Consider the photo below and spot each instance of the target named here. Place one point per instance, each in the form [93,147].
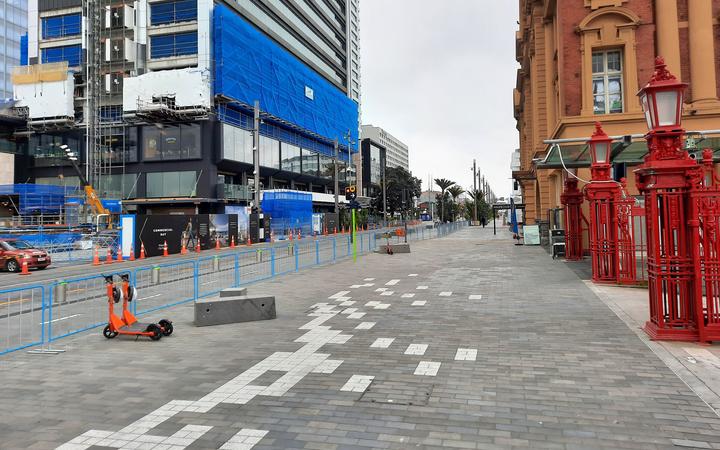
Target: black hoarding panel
[154,231]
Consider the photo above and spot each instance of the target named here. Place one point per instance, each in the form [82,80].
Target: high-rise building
[13,25]
[158,96]
[397,152]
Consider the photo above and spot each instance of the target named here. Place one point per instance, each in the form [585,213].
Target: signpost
[351,196]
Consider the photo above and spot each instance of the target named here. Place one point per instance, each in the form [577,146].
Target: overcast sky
[439,75]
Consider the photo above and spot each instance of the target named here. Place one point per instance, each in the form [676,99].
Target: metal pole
[475,215]
[337,182]
[384,186]
[256,153]
[354,236]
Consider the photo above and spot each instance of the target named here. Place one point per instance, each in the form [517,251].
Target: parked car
[13,252]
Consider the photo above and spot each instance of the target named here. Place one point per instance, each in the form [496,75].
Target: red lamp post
[663,180]
[572,199]
[601,193]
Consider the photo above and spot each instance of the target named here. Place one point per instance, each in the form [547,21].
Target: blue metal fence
[38,315]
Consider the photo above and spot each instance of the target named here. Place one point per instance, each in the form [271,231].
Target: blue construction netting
[38,198]
[288,210]
[24,50]
[250,66]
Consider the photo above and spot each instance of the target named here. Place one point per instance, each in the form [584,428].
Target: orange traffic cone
[108,258]
[335,230]
[249,241]
[217,243]
[183,248]
[120,254]
[324,231]
[232,241]
[165,249]
[132,253]
[24,268]
[299,235]
[142,250]
[272,236]
[197,246]
[291,236]
[96,258]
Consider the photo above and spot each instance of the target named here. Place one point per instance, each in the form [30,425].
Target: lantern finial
[661,71]
[599,132]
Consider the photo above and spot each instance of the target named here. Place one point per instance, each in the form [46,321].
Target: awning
[578,155]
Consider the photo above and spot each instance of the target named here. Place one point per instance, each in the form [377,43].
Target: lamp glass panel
[601,150]
[667,108]
[646,110]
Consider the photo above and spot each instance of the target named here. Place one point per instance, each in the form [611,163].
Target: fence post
[237,270]
[272,262]
[135,283]
[334,241]
[317,253]
[50,312]
[42,317]
[196,285]
[297,257]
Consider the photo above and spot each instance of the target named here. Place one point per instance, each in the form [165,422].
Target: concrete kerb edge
[695,384]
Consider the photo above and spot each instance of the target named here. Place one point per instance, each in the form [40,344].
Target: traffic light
[350,193]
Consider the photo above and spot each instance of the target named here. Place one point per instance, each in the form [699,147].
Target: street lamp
[600,151]
[662,100]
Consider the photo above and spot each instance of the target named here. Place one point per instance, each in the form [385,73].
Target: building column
[667,34]
[702,52]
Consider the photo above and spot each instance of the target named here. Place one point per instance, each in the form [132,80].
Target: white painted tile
[328,366]
[419,303]
[357,383]
[416,349]
[475,297]
[422,288]
[369,279]
[382,306]
[348,310]
[408,295]
[386,293]
[357,286]
[365,325]
[347,303]
[356,315]
[466,354]
[412,275]
[244,439]
[392,282]
[372,303]
[427,368]
[445,294]
[382,342]
[339,294]
[381,289]
[342,299]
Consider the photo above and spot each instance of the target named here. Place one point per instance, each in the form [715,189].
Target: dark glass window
[169,45]
[327,167]
[310,163]
[69,53]
[237,144]
[269,152]
[171,142]
[171,184]
[173,12]
[61,26]
[290,158]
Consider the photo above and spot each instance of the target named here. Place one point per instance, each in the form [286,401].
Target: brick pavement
[508,350]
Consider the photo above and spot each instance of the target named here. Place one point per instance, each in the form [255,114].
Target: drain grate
[397,393]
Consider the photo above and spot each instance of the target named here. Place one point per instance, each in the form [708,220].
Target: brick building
[584,61]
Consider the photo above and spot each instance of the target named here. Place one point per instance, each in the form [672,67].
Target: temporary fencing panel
[165,285]
[23,313]
[217,273]
[76,305]
[255,265]
[284,258]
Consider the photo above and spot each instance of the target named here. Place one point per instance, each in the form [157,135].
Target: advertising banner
[154,230]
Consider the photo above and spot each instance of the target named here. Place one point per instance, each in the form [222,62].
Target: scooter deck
[136,327]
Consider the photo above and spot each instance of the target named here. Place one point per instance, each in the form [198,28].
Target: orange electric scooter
[116,325]
[129,294]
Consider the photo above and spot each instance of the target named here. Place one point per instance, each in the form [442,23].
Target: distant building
[397,152]
[13,25]
[372,168]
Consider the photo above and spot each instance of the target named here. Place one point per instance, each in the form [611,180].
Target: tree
[443,184]
[401,188]
[455,191]
[484,209]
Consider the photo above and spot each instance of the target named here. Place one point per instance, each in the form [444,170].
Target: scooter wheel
[156,332]
[167,327]
[108,333]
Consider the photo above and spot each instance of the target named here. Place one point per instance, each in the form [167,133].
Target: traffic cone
[335,230]
[96,258]
[183,248]
[249,241]
[291,236]
[232,241]
[324,231]
[217,243]
[142,250]
[299,235]
[165,249]
[108,258]
[24,268]
[132,253]
[119,254]
[197,246]
[272,236]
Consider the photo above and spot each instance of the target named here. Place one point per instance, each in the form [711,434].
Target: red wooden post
[572,199]
[662,178]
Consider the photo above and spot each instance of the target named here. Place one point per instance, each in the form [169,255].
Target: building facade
[584,61]
[373,157]
[158,96]
[13,25]
[397,152]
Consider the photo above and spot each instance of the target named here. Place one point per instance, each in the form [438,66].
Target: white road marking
[427,368]
[416,349]
[419,303]
[445,294]
[60,319]
[369,279]
[408,295]
[365,325]
[392,282]
[244,439]
[466,354]
[422,288]
[151,296]
[475,297]
[413,275]
[382,343]
[358,383]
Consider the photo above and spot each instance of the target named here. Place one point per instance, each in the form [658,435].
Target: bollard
[216,264]
[155,277]
[60,294]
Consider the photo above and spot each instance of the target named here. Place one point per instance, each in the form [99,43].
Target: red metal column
[572,199]
[626,261]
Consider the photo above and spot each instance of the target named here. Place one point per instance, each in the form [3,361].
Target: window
[172,142]
[237,144]
[290,158]
[607,82]
[171,184]
[375,165]
[327,167]
[61,26]
[173,12]
[269,152]
[119,185]
[69,53]
[309,163]
[170,45]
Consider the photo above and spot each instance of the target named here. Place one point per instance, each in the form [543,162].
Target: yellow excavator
[90,195]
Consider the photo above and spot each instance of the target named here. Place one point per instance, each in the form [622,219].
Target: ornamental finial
[599,132]
[661,71]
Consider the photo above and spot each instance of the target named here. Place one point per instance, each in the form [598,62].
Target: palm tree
[455,191]
[443,184]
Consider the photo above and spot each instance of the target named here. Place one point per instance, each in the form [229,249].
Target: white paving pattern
[427,368]
[419,303]
[244,439]
[357,383]
[382,342]
[466,354]
[416,349]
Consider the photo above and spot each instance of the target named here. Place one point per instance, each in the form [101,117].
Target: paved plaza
[468,342]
